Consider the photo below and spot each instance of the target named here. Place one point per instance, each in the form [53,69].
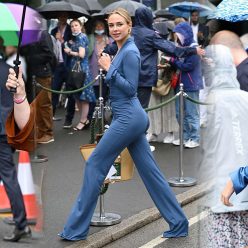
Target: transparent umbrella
[128,5]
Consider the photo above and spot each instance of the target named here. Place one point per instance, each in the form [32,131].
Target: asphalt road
[60,180]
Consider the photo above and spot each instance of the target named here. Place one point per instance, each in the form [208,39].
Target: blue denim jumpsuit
[127,129]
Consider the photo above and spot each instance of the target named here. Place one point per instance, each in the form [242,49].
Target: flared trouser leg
[158,188]
[96,170]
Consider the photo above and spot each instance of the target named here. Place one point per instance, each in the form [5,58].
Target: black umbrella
[92,6]
[128,5]
[53,9]
[163,13]
[17,61]
[161,28]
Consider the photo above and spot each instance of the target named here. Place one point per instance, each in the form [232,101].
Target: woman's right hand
[104,61]
[18,83]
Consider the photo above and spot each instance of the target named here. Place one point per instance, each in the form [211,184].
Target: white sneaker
[168,138]
[151,137]
[177,142]
[152,148]
[203,124]
[191,144]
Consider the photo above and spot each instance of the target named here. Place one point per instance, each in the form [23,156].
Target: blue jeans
[60,76]
[191,121]
[144,95]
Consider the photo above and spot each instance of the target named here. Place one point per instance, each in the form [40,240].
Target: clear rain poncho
[225,140]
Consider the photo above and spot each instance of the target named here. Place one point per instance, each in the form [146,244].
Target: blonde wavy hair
[122,12]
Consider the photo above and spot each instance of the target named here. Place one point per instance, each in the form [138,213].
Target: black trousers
[59,77]
[144,95]
[9,177]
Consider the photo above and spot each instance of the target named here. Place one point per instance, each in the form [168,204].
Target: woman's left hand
[105,61]
[67,50]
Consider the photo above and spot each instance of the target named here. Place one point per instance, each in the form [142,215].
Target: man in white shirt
[200,31]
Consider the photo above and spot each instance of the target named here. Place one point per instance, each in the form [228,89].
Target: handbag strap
[77,67]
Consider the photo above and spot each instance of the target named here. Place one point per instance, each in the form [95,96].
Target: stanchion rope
[195,101]
[163,103]
[147,109]
[69,91]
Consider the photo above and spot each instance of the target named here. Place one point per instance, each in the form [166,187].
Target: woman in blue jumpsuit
[127,129]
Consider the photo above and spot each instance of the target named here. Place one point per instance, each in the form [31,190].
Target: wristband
[19,100]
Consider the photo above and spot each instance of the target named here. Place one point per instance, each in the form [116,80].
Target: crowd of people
[133,69]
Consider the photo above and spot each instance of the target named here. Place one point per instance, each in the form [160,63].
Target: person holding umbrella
[8,172]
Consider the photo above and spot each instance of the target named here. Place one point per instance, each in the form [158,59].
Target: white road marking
[160,239]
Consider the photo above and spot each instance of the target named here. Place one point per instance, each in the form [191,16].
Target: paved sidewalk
[110,234]
[61,179]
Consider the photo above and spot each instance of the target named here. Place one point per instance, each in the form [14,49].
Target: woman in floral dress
[78,50]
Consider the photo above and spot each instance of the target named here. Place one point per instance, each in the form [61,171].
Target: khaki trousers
[44,111]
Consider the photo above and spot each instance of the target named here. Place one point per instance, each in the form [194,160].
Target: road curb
[110,234]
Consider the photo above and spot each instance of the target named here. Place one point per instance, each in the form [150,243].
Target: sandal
[85,124]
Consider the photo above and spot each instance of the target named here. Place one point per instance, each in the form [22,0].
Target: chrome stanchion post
[102,218]
[36,158]
[101,100]
[181,181]
[102,211]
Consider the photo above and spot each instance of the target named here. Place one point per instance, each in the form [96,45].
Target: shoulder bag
[76,77]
